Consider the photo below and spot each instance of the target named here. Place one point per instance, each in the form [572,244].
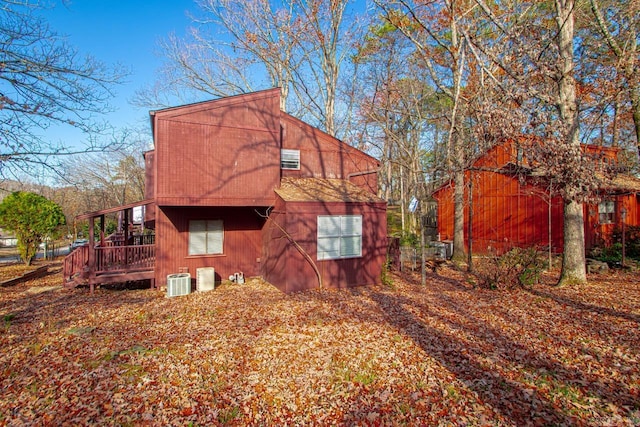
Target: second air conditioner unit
[205,279]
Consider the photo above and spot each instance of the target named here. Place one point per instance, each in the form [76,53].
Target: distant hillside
[8,186]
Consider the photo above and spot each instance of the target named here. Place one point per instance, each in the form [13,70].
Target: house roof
[324,190]
[210,104]
[225,100]
[621,182]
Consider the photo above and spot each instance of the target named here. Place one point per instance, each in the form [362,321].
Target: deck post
[102,228]
[91,262]
[92,253]
[126,227]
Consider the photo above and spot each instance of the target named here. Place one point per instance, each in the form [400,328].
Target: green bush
[631,239]
[609,254]
[33,219]
[517,267]
[409,239]
[612,254]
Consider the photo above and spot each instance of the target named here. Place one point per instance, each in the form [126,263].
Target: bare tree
[399,116]
[435,30]
[617,29]
[574,260]
[534,53]
[240,46]
[325,44]
[233,41]
[45,83]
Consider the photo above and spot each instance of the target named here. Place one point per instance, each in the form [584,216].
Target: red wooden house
[511,209]
[241,186]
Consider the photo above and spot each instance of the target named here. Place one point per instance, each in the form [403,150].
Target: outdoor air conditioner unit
[205,279]
[178,284]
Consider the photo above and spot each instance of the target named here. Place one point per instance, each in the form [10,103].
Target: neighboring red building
[219,195]
[511,209]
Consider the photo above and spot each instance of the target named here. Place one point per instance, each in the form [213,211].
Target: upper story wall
[323,156]
[218,153]
[226,152]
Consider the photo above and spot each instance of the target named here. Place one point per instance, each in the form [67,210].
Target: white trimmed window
[339,236]
[606,211]
[290,159]
[206,237]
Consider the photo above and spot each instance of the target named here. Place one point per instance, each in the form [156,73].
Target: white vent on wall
[290,159]
[205,279]
[178,284]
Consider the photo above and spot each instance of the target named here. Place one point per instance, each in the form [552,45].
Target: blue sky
[125,32]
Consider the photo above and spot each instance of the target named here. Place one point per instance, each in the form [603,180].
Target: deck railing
[142,239]
[124,258]
[75,262]
[117,239]
[109,259]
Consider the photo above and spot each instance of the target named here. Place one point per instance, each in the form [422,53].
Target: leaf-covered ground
[444,354]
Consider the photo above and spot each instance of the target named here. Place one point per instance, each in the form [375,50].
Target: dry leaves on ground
[443,354]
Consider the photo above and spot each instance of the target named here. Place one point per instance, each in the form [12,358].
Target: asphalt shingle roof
[324,190]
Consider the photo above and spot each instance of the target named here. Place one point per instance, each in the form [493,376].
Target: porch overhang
[96,214]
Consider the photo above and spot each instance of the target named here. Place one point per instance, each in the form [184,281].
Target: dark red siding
[242,241]
[508,212]
[222,153]
[276,246]
[286,267]
[221,160]
[322,156]
[597,234]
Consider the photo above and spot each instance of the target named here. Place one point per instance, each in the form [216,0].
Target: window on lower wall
[339,236]
[606,210]
[206,237]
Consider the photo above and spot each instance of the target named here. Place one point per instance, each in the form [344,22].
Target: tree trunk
[635,106]
[456,132]
[458,216]
[573,261]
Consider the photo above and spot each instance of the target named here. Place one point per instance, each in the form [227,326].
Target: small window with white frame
[290,159]
[206,237]
[339,236]
[606,211]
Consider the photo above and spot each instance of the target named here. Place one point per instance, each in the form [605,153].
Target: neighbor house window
[606,210]
[339,236]
[205,237]
[290,159]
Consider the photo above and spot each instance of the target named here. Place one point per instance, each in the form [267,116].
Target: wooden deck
[109,264]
